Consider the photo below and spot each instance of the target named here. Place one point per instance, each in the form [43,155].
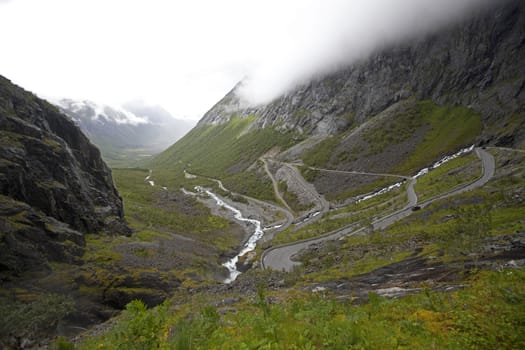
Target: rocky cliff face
[478,64]
[54,186]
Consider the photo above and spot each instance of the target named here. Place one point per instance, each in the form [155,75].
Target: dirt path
[279,258]
[359,173]
[508,149]
[276,186]
[289,217]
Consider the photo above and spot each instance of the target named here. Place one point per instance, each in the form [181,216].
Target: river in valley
[249,246]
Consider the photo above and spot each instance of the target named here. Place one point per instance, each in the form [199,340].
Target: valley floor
[409,266]
[462,246]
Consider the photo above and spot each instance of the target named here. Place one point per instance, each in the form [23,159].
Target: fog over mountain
[187,55]
[325,38]
[126,134]
[358,159]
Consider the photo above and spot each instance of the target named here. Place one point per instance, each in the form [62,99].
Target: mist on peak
[95,111]
[324,37]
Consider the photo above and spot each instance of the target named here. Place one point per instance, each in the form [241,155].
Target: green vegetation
[468,232]
[379,183]
[308,173]
[488,314]
[118,157]
[453,232]
[449,128]
[224,151]
[251,184]
[320,155]
[150,235]
[57,147]
[396,198]
[146,210]
[456,172]
[160,219]
[358,214]
[139,328]
[11,139]
[393,131]
[445,129]
[36,317]
[420,319]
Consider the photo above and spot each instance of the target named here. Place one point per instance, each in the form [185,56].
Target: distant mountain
[127,134]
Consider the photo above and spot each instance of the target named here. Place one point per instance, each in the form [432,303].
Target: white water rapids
[419,173]
[250,245]
[147,179]
[444,160]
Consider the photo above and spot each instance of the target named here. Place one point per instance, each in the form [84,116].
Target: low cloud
[186,55]
[319,37]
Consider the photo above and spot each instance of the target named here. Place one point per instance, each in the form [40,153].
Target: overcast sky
[186,55]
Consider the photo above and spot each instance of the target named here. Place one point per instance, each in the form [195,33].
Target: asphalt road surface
[279,258]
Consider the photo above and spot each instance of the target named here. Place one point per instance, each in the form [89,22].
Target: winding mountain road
[411,193]
[276,186]
[279,258]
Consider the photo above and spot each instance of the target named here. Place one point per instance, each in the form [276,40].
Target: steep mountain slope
[397,111]
[478,64]
[442,248]
[51,166]
[126,134]
[54,189]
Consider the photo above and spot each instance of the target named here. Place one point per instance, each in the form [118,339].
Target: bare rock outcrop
[54,186]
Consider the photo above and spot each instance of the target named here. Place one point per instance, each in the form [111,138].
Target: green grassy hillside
[485,315]
[406,138]
[226,152]
[445,260]
[422,130]
[452,263]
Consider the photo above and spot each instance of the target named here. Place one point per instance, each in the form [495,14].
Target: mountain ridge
[302,167]
[466,64]
[125,134]
[398,111]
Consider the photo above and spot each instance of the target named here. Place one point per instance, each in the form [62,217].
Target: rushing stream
[444,160]
[419,173]
[250,245]
[231,264]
